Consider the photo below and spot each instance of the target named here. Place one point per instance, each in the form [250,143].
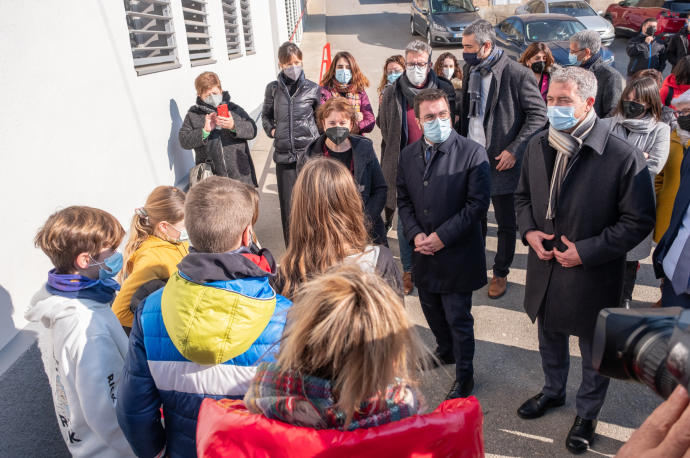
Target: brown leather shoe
[497,287]
[408,285]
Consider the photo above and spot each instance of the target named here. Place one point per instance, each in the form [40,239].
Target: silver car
[575,8]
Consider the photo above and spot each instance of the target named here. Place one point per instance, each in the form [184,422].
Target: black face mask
[633,109]
[538,67]
[337,134]
[650,31]
[684,122]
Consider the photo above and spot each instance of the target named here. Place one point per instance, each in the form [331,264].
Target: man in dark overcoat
[584,200]
[443,191]
[502,109]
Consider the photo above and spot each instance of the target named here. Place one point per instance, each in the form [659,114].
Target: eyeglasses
[419,65]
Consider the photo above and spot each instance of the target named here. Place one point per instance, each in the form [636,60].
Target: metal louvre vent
[247,26]
[151,35]
[293,12]
[198,37]
[232,28]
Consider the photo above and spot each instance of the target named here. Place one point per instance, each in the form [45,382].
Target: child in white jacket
[82,343]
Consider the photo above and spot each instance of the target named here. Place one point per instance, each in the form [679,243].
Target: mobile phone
[223,110]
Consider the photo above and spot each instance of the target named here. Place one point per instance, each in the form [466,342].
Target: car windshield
[576,9]
[451,6]
[552,30]
[678,7]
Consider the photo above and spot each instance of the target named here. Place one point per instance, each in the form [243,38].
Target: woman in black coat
[288,117]
[337,119]
[216,139]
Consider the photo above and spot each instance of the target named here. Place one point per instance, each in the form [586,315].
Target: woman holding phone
[217,130]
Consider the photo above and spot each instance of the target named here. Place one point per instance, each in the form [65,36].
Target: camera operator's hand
[665,433]
[536,241]
[569,257]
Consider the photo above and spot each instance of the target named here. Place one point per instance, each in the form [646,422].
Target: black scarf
[208,109]
[474,88]
[592,60]
[410,91]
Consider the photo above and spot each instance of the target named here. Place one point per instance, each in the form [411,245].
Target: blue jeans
[405,248]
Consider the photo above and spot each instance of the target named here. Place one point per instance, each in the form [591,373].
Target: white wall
[79,127]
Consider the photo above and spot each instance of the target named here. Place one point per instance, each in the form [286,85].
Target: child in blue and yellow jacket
[204,333]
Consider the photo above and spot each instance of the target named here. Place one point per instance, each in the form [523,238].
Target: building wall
[79,127]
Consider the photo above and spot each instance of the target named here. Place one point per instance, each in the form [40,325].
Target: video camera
[650,345]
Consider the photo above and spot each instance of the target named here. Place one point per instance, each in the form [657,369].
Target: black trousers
[450,319]
[555,361]
[504,211]
[286,175]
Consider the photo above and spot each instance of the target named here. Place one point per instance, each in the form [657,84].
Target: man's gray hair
[418,46]
[585,80]
[482,30]
[587,39]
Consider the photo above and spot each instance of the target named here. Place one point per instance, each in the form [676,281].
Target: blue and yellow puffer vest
[202,335]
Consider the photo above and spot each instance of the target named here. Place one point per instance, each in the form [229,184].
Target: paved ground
[507,362]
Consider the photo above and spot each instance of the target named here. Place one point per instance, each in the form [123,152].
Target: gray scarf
[639,130]
[474,87]
[566,145]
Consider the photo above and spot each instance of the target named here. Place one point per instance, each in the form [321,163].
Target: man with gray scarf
[502,110]
[585,198]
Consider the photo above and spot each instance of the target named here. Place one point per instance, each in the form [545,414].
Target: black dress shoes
[461,389]
[537,406]
[581,435]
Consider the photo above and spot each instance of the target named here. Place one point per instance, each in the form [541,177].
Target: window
[553,30]
[537,7]
[247,27]
[293,12]
[151,35]
[232,29]
[198,38]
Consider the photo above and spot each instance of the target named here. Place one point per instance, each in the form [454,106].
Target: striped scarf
[566,145]
[344,90]
[305,400]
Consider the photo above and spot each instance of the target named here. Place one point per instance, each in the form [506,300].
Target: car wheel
[428,37]
[412,32]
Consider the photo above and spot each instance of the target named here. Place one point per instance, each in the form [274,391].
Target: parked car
[627,16]
[576,8]
[516,33]
[441,21]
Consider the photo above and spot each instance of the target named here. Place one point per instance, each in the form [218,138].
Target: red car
[627,16]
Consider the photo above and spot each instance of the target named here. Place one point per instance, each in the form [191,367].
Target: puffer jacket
[678,46]
[292,116]
[645,55]
[227,150]
[200,336]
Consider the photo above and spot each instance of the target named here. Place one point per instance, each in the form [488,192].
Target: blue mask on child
[438,130]
[343,75]
[572,59]
[393,77]
[110,267]
[561,117]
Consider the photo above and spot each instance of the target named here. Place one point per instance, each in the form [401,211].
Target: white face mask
[293,72]
[416,75]
[448,72]
[214,99]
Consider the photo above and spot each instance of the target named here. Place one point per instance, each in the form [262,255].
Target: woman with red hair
[538,58]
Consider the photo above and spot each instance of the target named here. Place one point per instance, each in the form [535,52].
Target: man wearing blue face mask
[584,200]
[502,110]
[443,192]
[585,51]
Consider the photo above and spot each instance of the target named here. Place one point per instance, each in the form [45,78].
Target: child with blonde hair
[157,243]
[348,356]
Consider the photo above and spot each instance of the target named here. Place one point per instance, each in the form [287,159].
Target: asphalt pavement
[507,362]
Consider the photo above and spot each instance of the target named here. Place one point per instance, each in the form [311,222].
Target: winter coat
[227,150]
[292,116]
[514,112]
[678,46]
[449,195]
[368,177]
[670,89]
[366,125]
[645,55]
[610,84]
[83,348]
[666,185]
[202,335]
[155,259]
[606,207]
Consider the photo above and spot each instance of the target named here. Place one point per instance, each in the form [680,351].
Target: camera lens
[650,361]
